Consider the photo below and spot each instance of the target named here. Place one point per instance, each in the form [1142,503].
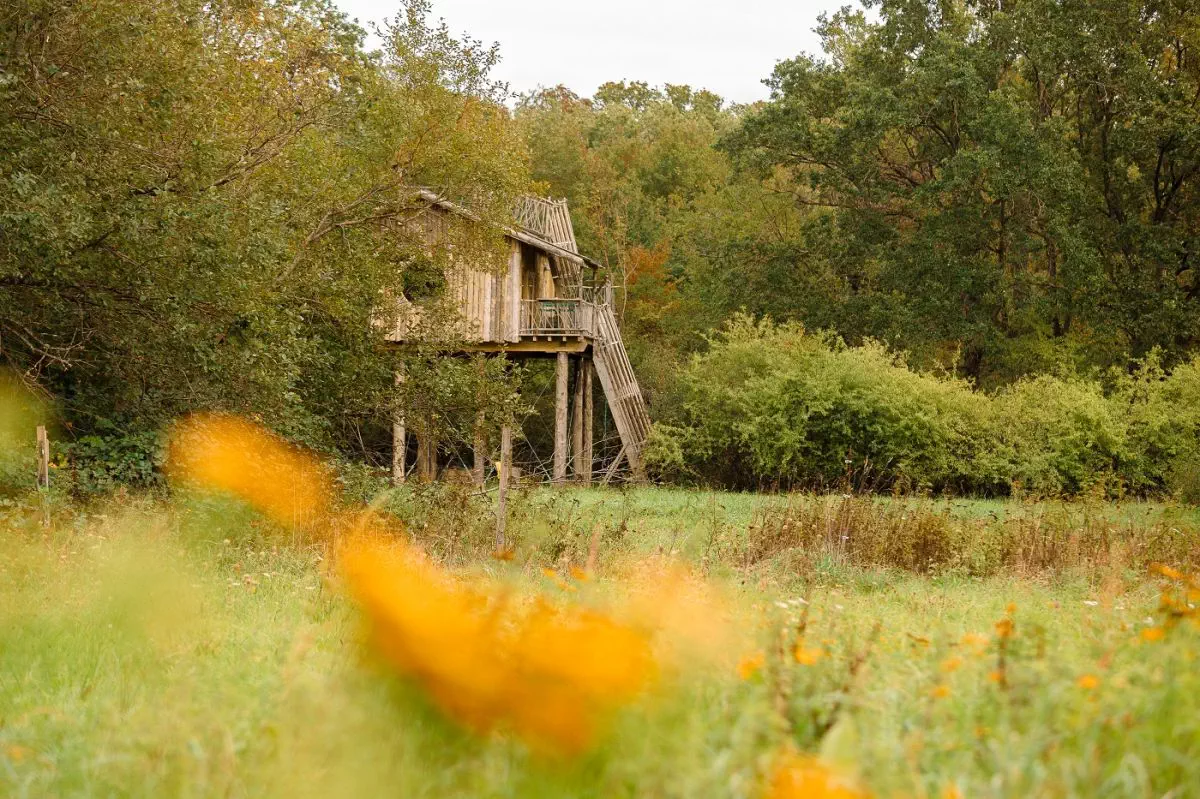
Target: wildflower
[229,454]
[1010,608]
[977,641]
[807,655]
[1088,682]
[1168,572]
[952,664]
[951,791]
[579,574]
[1152,634]
[549,674]
[940,691]
[805,777]
[996,676]
[1004,628]
[17,753]
[750,665]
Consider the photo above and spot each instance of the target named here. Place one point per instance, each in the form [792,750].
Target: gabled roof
[522,234]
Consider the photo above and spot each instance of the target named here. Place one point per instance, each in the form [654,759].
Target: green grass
[151,651]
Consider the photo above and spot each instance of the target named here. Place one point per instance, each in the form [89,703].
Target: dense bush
[775,405]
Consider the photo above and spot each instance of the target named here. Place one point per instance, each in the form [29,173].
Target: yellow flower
[1010,608]
[804,777]
[1152,634]
[807,655]
[1168,572]
[952,664]
[232,455]
[977,641]
[1088,682]
[750,665]
[1004,628]
[940,691]
[951,791]
[549,674]
[579,574]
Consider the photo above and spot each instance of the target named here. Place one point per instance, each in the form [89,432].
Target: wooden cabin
[540,299]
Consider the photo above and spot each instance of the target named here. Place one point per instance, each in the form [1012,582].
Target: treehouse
[537,298]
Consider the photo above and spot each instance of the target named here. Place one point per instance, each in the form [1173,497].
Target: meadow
[195,648]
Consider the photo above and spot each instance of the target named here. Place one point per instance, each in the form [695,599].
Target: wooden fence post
[43,458]
[43,472]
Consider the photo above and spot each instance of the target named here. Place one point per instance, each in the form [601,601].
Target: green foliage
[774,405]
[1004,181]
[206,206]
[102,463]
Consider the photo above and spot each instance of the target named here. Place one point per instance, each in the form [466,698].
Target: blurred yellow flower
[940,691]
[1153,634]
[807,655]
[1004,628]
[549,674]
[750,665]
[805,777]
[230,454]
[1168,572]
[952,664]
[1088,682]
[951,791]
[976,641]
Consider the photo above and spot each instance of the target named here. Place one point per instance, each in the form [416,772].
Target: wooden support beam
[502,493]
[399,440]
[589,422]
[426,458]
[479,468]
[577,420]
[560,420]
[612,467]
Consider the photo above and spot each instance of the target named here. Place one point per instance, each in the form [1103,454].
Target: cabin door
[529,273]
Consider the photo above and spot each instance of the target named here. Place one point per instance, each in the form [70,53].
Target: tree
[1011,182]
[206,204]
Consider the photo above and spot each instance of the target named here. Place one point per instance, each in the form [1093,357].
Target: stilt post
[560,421]
[577,421]
[399,439]
[502,492]
[479,467]
[587,457]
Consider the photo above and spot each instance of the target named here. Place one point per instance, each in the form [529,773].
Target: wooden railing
[565,317]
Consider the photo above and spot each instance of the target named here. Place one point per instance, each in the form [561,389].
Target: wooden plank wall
[488,299]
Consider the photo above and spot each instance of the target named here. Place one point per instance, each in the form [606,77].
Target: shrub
[777,404]
[1058,435]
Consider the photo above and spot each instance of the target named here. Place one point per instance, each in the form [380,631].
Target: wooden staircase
[625,400]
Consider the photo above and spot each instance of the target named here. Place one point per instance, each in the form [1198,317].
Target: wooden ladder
[625,400]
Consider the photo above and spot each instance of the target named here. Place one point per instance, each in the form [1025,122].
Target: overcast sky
[728,46]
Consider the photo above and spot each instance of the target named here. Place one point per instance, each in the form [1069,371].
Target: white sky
[727,47]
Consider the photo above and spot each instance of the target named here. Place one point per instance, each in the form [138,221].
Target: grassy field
[151,650]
